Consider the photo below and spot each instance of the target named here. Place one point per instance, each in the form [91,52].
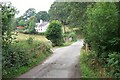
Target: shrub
[54,33]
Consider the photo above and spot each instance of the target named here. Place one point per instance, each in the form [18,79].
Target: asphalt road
[64,63]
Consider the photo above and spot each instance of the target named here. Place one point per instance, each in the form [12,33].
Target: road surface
[62,64]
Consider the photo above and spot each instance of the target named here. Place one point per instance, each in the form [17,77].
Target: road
[62,64]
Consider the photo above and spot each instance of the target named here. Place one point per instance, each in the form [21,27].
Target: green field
[21,36]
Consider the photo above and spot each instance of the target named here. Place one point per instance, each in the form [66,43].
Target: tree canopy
[71,14]
[42,15]
[29,13]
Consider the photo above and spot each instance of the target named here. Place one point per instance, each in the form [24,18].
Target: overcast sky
[23,5]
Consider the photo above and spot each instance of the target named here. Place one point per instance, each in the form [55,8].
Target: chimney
[41,21]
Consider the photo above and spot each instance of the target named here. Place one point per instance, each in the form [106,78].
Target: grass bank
[21,36]
[86,71]
[89,66]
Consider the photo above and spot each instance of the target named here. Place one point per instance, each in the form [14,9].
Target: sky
[23,5]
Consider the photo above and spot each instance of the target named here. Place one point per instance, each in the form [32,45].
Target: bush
[54,33]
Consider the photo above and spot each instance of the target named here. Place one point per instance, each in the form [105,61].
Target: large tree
[68,13]
[29,13]
[42,15]
[58,11]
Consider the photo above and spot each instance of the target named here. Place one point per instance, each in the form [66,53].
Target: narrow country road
[62,64]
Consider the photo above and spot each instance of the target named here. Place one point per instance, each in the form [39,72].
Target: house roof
[20,27]
[43,23]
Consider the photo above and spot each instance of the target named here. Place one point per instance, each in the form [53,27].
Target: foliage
[21,23]
[101,32]
[58,12]
[18,55]
[42,15]
[54,33]
[30,40]
[98,31]
[30,18]
[31,25]
[113,64]
[71,14]
[8,13]
[22,54]
[70,35]
[90,67]
[29,13]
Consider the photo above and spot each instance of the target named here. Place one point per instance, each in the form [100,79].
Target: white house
[42,26]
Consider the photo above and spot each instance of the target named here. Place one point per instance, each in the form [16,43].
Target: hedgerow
[21,54]
[101,33]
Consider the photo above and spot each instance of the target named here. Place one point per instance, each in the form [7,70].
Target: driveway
[64,63]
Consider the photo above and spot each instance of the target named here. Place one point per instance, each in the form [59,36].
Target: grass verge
[86,71]
[90,67]
[65,44]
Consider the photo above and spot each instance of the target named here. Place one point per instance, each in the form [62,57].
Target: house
[42,26]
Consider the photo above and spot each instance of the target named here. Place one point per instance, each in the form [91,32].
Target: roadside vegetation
[103,38]
[22,56]
[85,68]
[89,67]
[19,56]
[99,25]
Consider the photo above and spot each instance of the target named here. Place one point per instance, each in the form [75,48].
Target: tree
[58,11]
[21,23]
[29,13]
[54,33]
[8,13]
[42,15]
[77,16]
[18,23]
[71,14]
[31,24]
